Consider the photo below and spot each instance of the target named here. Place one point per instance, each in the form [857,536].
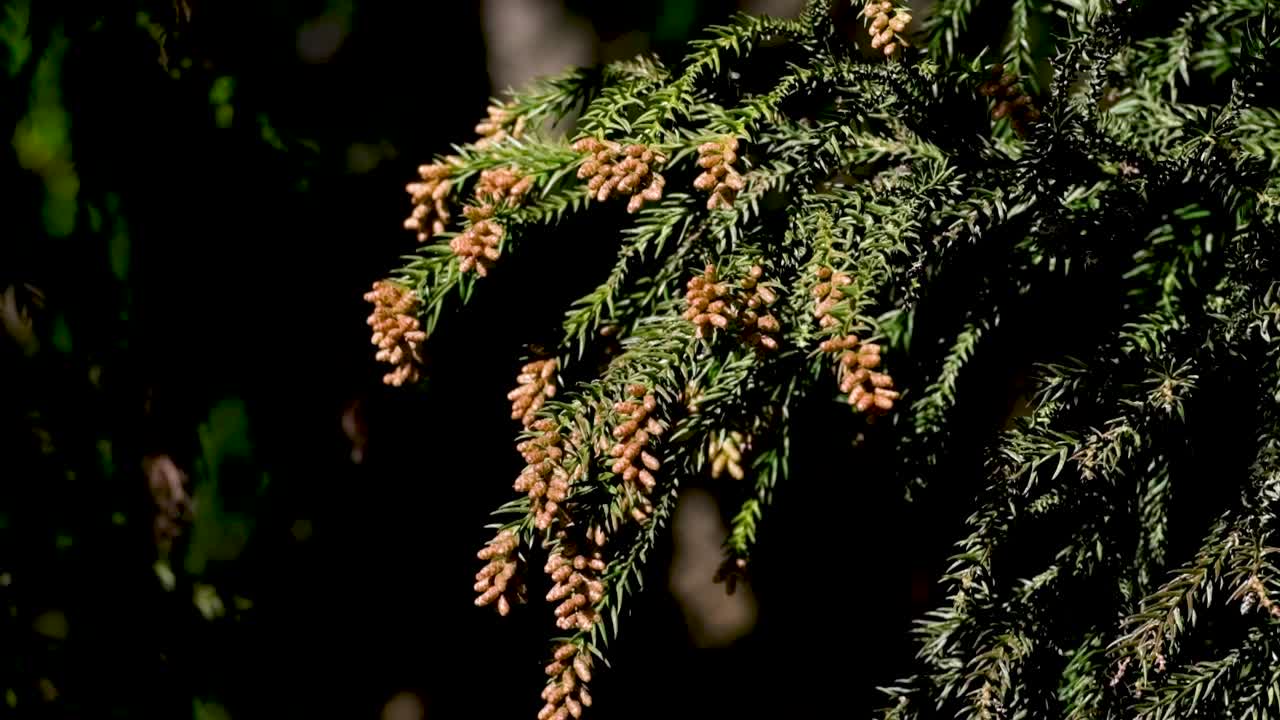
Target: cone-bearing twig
[886,25]
[536,384]
[430,201]
[1011,101]
[499,582]
[396,331]
[544,478]
[478,248]
[498,126]
[719,176]
[566,694]
[575,568]
[634,435]
[611,169]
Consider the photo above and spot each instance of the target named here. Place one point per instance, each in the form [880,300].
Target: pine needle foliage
[888,194]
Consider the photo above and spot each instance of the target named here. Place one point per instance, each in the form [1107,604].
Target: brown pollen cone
[1011,102]
[708,305]
[611,169]
[478,247]
[575,568]
[566,693]
[828,294]
[886,26]
[760,327]
[726,454]
[430,195]
[711,305]
[718,176]
[544,478]
[500,124]
[868,390]
[536,383]
[499,582]
[396,331]
[634,436]
[502,185]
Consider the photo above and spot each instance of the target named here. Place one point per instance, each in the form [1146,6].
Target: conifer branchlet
[611,170]
[396,331]
[430,201]
[719,177]
[499,582]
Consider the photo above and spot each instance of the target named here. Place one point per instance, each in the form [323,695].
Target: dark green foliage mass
[1075,197]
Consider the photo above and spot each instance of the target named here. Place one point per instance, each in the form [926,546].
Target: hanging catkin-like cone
[566,693]
[544,478]
[396,331]
[479,246]
[719,178]
[536,384]
[430,201]
[499,582]
[576,568]
[633,452]
[500,124]
[886,25]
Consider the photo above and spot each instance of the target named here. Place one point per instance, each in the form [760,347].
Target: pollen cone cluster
[827,294]
[430,195]
[611,169]
[499,581]
[396,331]
[500,124]
[633,438]
[718,174]
[1011,102]
[544,478]
[887,26]
[726,454]
[576,569]
[502,185]
[536,383]
[710,304]
[478,247]
[760,327]
[868,390]
[566,694]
